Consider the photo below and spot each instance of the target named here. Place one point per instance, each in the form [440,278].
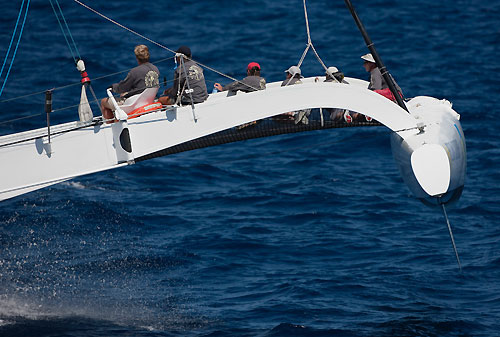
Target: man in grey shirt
[192,90]
[252,82]
[145,75]
[377,81]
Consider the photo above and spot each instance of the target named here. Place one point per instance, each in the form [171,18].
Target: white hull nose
[432,162]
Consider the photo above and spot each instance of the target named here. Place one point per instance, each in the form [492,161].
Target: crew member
[192,90]
[145,75]
[252,82]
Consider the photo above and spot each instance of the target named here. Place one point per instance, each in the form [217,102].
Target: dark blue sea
[307,234]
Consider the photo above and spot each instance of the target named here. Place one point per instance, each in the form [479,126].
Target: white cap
[332,70]
[294,70]
[368,57]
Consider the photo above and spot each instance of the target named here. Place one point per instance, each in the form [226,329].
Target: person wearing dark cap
[145,75]
[252,82]
[192,90]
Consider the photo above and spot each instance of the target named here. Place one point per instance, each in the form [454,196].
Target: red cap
[253,64]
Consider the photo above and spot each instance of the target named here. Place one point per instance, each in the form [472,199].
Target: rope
[96,100]
[12,38]
[307,25]
[310,44]
[78,83]
[17,45]
[189,88]
[67,27]
[122,26]
[62,30]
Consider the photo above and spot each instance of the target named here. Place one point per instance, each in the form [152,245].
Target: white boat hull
[30,163]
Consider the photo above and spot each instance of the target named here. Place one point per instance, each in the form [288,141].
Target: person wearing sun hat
[377,81]
[252,82]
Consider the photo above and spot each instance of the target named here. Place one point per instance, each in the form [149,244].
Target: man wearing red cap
[252,82]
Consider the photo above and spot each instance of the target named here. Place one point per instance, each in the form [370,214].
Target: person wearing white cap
[293,76]
[333,73]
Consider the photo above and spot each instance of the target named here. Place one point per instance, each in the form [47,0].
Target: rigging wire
[17,44]
[12,38]
[64,32]
[158,44]
[451,235]
[67,27]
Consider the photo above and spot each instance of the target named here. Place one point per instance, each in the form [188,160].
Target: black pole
[48,109]
[378,60]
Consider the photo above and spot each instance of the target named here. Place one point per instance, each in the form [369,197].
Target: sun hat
[368,57]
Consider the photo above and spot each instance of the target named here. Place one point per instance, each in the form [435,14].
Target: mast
[373,51]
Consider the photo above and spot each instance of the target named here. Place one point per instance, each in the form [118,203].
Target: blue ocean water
[311,234]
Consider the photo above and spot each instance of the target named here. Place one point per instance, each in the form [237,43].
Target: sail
[84,110]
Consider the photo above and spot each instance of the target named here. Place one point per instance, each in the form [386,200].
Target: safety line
[79,83]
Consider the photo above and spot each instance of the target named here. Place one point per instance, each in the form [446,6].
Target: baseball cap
[184,50]
[332,70]
[293,70]
[253,64]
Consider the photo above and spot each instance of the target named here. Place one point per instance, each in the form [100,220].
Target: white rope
[310,44]
[307,25]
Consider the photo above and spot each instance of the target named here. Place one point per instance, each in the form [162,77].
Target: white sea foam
[74,184]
